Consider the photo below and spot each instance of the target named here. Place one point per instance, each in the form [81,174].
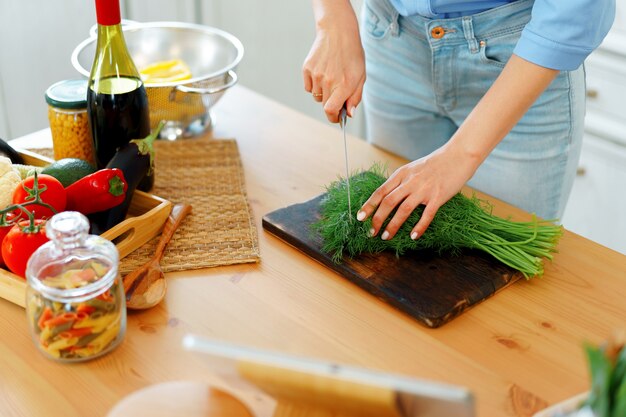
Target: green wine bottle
[117,103]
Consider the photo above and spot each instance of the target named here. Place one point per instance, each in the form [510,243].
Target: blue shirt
[560,34]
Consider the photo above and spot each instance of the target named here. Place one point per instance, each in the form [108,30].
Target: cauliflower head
[9,179]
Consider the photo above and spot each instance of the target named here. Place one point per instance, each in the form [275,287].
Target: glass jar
[75,300]
[69,124]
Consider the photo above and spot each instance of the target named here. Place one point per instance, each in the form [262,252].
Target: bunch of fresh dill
[462,222]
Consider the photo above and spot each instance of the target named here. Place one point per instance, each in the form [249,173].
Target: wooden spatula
[145,287]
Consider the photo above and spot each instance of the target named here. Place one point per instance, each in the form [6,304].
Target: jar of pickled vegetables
[75,301]
[69,125]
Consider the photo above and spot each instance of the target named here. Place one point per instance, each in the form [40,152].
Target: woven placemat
[208,175]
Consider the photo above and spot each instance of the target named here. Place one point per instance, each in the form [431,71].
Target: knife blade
[343,117]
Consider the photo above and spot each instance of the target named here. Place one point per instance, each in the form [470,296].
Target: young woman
[485,92]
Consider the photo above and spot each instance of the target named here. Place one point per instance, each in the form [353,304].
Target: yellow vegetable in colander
[165,72]
[164,103]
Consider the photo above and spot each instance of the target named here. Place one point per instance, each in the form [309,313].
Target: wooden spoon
[145,286]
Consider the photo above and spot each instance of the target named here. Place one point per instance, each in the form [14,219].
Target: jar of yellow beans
[69,125]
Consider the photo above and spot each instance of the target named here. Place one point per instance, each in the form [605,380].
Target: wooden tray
[146,216]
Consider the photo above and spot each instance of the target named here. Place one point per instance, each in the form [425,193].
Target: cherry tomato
[20,243]
[51,192]
[9,222]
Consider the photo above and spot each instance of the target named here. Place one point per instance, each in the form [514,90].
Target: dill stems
[462,222]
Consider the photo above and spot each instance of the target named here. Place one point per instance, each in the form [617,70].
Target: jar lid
[68,94]
[73,266]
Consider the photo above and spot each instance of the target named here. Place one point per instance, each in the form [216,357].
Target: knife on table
[343,117]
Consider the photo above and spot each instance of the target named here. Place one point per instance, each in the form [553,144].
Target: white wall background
[37,38]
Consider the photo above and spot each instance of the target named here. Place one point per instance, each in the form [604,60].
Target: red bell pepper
[99,191]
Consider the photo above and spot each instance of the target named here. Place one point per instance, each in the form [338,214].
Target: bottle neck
[108,35]
[108,12]
[109,25]
[112,58]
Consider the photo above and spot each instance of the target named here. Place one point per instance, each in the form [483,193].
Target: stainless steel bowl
[211,54]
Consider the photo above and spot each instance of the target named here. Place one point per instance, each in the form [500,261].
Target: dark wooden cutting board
[429,287]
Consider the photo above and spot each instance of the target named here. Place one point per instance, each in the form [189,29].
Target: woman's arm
[335,66]
[434,179]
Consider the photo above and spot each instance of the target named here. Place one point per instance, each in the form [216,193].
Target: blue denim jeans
[424,76]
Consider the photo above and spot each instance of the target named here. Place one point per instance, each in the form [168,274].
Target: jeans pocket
[497,50]
[376,23]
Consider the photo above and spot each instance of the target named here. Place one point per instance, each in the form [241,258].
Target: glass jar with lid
[69,124]
[75,297]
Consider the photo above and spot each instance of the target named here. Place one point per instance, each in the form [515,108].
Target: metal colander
[211,54]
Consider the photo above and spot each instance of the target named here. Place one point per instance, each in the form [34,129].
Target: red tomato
[51,192]
[4,229]
[20,243]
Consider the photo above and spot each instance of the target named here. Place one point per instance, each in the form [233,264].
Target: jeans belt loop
[468,31]
[394,26]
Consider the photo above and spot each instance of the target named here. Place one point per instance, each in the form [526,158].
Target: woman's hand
[334,70]
[431,181]
[436,178]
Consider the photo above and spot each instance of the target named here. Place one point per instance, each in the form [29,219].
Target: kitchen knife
[343,117]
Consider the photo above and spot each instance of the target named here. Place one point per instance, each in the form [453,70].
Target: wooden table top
[519,351]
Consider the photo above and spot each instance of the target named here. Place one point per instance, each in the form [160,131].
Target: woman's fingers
[404,202]
[354,100]
[403,192]
[337,96]
[372,205]
[425,219]
[318,86]
[313,78]
[402,214]
[386,206]
[306,77]
[348,93]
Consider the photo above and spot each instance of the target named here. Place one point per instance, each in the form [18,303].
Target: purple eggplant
[11,153]
[136,160]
